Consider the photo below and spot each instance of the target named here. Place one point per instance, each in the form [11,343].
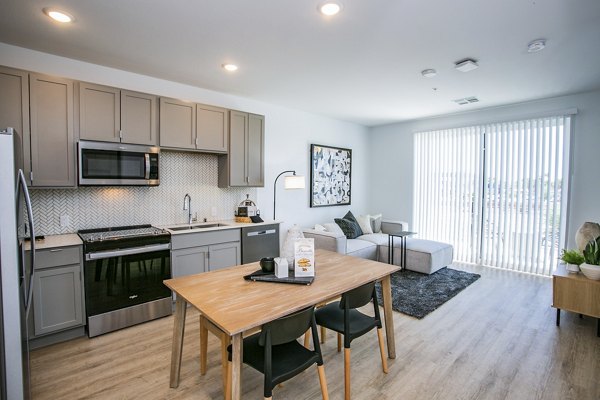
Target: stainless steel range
[123,274]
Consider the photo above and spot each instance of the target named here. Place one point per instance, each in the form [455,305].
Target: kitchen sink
[194,227]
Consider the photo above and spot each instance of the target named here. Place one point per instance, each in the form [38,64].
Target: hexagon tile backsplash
[98,207]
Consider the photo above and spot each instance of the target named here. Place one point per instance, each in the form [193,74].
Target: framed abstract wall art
[330,175]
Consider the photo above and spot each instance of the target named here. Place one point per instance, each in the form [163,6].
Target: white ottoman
[424,256]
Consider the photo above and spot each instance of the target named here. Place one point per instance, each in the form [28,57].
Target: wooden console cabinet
[575,293]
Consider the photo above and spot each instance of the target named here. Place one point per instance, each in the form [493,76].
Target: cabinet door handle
[55,250]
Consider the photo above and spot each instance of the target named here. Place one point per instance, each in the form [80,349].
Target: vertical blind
[496,192]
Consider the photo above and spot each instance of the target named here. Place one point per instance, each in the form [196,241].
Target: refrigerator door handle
[22,185]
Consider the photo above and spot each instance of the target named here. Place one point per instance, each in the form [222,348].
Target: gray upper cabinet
[177,124]
[113,115]
[14,109]
[139,118]
[52,139]
[191,126]
[244,165]
[99,112]
[211,128]
[57,290]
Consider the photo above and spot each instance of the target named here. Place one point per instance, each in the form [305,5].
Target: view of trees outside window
[495,192]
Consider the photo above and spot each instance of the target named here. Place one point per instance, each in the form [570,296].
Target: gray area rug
[418,294]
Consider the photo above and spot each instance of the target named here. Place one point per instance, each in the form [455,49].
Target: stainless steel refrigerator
[16,275]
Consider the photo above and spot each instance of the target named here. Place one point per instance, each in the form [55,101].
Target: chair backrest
[288,328]
[358,297]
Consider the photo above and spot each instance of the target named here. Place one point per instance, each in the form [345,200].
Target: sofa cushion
[350,216]
[350,228]
[361,248]
[424,256]
[376,238]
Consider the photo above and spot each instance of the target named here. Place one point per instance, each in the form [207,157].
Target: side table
[402,235]
[575,293]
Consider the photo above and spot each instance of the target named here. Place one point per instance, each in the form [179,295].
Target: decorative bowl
[591,271]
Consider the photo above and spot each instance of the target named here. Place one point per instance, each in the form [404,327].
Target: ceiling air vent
[466,100]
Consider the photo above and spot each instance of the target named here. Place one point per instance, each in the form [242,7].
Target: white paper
[304,257]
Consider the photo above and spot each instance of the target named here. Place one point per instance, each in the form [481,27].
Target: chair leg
[307,338]
[339,335]
[382,351]
[323,382]
[224,361]
[323,334]
[346,374]
[203,345]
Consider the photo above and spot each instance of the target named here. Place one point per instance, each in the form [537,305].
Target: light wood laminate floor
[495,340]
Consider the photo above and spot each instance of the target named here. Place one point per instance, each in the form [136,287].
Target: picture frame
[330,176]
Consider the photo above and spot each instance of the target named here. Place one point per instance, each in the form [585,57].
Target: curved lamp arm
[275,189]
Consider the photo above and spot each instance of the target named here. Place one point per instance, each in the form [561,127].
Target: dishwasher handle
[260,233]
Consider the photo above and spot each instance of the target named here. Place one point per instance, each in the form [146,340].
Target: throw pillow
[364,221]
[376,223]
[334,228]
[350,216]
[320,228]
[350,228]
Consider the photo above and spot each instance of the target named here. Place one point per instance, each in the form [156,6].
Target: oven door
[117,164]
[123,278]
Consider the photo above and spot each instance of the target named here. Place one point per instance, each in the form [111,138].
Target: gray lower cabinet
[193,260]
[58,301]
[196,252]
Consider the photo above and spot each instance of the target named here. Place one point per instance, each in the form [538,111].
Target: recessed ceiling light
[466,65]
[536,45]
[330,8]
[57,15]
[429,73]
[230,67]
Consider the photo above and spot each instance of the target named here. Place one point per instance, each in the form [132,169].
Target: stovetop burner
[95,235]
[122,237]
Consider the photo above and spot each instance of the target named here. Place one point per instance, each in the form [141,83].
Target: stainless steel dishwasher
[260,241]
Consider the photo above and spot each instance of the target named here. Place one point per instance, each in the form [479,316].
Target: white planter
[591,271]
[572,268]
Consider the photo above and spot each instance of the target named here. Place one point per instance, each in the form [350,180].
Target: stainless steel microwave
[117,164]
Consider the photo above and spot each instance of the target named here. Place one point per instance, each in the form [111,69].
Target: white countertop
[223,225]
[52,241]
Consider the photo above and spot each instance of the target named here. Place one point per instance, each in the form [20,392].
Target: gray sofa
[424,256]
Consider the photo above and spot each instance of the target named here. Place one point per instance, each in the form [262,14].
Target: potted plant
[573,259]
[591,254]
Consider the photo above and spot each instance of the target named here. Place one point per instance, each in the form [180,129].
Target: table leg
[177,347]
[386,288]
[237,351]
[598,328]
[558,317]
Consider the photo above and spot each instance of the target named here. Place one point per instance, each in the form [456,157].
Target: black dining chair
[343,318]
[276,352]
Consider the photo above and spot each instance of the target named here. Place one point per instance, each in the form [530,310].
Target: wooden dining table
[235,305]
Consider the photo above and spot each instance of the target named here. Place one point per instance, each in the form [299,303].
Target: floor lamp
[290,182]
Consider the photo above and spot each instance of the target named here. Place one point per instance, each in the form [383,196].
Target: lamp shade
[294,182]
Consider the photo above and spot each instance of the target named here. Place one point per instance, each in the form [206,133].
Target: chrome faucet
[187,205]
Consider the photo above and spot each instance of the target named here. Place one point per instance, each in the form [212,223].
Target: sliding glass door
[497,192]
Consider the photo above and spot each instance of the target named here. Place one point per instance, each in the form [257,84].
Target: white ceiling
[362,66]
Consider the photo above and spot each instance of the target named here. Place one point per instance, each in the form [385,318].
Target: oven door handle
[99,255]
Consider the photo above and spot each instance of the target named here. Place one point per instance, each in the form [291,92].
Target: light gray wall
[392,160]
[288,133]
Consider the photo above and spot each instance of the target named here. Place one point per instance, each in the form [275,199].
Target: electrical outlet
[65,221]
[213,211]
